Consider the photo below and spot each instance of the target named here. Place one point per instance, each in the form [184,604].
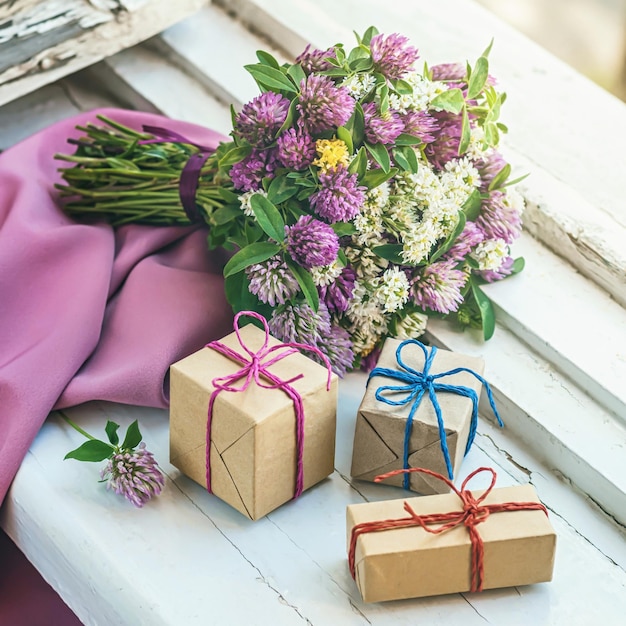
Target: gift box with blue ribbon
[420,409]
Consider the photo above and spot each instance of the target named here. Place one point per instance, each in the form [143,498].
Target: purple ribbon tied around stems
[190,176]
[254,370]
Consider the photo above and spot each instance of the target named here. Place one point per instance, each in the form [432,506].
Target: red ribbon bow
[255,366]
[474,512]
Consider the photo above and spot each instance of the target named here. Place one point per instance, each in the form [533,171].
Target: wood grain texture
[42,41]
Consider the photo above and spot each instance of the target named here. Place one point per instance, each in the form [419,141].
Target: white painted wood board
[188,558]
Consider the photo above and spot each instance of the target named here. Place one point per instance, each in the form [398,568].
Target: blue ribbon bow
[415,386]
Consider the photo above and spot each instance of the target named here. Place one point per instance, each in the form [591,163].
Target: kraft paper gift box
[380,428]
[409,562]
[253,453]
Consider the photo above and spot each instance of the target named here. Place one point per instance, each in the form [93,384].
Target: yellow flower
[332,152]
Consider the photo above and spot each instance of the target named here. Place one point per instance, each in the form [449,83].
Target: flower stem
[74,425]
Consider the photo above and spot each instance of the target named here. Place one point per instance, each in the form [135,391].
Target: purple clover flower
[322,105]
[337,295]
[391,56]
[300,323]
[504,270]
[337,346]
[339,198]
[381,128]
[488,168]
[420,124]
[498,220]
[272,282]
[438,288]
[296,148]
[134,474]
[446,145]
[448,71]
[261,118]
[469,238]
[311,243]
[311,60]
[248,173]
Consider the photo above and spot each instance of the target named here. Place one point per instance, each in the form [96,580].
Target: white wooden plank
[42,41]
[189,558]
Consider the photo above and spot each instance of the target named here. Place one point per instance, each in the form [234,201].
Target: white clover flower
[379,196]
[326,274]
[369,228]
[244,200]
[418,243]
[490,253]
[515,200]
[392,291]
[476,149]
[411,326]
[359,85]
[366,263]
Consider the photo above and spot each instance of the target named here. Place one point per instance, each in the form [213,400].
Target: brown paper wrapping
[412,563]
[379,432]
[253,433]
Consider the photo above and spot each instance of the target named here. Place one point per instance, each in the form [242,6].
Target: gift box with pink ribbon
[447,543]
[253,419]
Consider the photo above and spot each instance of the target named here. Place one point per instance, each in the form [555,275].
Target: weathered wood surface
[42,41]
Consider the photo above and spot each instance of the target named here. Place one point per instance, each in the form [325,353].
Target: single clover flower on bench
[131,470]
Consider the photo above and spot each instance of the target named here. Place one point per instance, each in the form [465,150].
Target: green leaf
[270,77]
[229,196]
[358,165]
[360,52]
[234,156]
[401,160]
[334,71]
[291,113]
[267,59]
[465,134]
[373,178]
[383,94]
[471,207]
[356,125]
[133,437]
[407,140]
[297,73]
[226,214]
[409,154]
[361,65]
[380,155]
[237,290]
[111,430]
[306,284]
[346,136]
[518,265]
[487,49]
[254,253]
[450,239]
[343,228]
[500,178]
[402,87]
[369,33]
[92,451]
[516,180]
[451,100]
[268,217]
[487,314]
[281,188]
[390,251]
[478,78]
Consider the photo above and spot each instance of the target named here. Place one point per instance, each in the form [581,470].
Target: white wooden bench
[557,360]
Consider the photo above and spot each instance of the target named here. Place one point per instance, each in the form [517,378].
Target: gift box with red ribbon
[447,543]
[267,411]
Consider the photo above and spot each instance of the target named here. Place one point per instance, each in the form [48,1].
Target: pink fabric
[87,312]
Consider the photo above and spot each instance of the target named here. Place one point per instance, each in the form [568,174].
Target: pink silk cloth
[88,312]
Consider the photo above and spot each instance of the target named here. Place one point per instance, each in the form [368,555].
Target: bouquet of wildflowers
[359,194]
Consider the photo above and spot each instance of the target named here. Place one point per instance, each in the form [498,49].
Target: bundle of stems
[125,176]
